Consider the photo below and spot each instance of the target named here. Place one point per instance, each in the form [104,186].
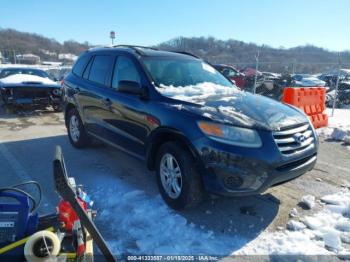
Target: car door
[92,97]
[128,120]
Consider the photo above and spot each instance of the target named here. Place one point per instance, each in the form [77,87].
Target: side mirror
[130,87]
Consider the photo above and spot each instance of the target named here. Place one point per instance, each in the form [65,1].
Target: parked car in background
[250,72]
[233,74]
[342,95]
[29,87]
[268,84]
[58,74]
[190,124]
[305,80]
[271,76]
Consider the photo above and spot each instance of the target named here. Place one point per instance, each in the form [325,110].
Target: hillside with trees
[302,59]
[48,49]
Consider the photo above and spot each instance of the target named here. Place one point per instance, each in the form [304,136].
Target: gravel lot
[27,141]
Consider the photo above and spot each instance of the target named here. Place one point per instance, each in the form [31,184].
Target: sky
[276,23]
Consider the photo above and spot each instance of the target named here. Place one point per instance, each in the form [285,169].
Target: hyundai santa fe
[189,123]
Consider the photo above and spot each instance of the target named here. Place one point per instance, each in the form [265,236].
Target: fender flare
[161,135]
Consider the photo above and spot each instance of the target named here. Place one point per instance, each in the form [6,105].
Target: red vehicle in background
[232,73]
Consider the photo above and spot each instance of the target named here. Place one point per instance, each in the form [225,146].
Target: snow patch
[20,78]
[308,201]
[318,234]
[295,225]
[331,239]
[194,92]
[140,224]
[294,213]
[338,125]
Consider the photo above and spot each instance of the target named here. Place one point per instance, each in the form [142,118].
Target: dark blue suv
[187,121]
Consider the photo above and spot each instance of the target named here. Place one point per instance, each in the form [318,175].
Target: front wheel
[178,180]
[76,130]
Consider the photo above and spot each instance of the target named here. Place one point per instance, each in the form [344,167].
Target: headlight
[232,135]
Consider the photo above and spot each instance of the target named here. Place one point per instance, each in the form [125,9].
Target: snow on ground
[193,92]
[338,125]
[326,232]
[141,224]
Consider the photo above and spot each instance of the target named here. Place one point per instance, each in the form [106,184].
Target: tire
[76,130]
[184,177]
[35,248]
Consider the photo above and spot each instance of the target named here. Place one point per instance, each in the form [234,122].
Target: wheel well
[68,108]
[158,140]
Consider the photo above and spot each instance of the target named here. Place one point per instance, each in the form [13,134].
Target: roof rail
[136,48]
[186,53]
[97,47]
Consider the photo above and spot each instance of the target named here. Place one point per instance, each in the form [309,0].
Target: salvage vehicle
[304,80]
[244,79]
[29,87]
[342,95]
[268,84]
[198,131]
[233,74]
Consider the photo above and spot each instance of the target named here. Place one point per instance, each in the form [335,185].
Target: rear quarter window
[80,65]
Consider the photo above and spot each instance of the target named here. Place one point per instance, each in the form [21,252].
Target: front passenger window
[125,70]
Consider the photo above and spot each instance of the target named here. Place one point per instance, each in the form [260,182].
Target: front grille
[30,93]
[292,140]
[295,164]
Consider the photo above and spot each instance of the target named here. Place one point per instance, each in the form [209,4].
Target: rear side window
[80,65]
[101,69]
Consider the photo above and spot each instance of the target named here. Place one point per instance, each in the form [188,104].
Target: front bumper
[35,101]
[238,171]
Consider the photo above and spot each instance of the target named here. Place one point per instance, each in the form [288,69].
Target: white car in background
[304,80]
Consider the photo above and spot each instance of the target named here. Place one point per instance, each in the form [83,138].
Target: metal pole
[256,71]
[14,57]
[336,86]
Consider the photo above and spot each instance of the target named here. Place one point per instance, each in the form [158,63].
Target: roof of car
[145,51]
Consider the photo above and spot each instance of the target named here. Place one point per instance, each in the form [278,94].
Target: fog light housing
[233,182]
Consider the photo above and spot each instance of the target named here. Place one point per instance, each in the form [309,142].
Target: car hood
[312,81]
[26,80]
[244,109]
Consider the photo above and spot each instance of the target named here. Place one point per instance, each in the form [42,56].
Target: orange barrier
[311,100]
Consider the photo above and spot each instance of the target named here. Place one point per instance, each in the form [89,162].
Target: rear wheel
[178,180]
[76,130]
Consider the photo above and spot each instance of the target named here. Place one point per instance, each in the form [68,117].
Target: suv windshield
[183,72]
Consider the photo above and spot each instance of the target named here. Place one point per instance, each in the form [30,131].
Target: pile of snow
[22,78]
[283,243]
[193,92]
[338,125]
[324,233]
[308,201]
